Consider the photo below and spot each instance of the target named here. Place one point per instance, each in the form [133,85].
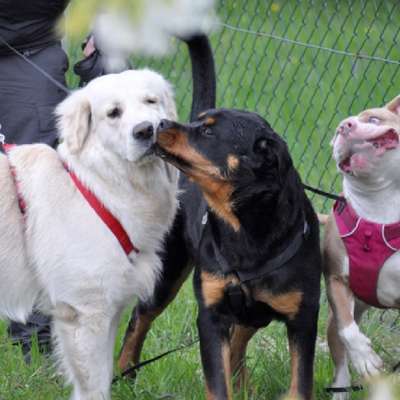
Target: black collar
[269,266]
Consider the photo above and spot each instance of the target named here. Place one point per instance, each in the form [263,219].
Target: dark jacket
[29,24]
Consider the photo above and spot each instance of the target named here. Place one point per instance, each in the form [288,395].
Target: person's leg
[27,103]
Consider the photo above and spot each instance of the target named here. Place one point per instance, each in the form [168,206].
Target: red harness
[112,223]
[368,246]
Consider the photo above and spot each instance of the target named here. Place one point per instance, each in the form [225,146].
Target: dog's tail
[203,74]
[19,289]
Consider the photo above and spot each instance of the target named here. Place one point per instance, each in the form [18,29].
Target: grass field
[304,93]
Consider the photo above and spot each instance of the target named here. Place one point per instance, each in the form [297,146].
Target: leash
[325,194]
[354,388]
[35,66]
[140,365]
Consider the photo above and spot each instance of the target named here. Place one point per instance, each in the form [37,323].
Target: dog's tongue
[387,141]
[358,157]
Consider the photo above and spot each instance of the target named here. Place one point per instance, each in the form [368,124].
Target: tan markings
[219,201]
[294,367]
[133,343]
[341,300]
[322,218]
[209,121]
[233,162]
[130,353]
[334,251]
[217,191]
[239,341]
[336,346]
[285,303]
[209,394]
[339,294]
[226,360]
[213,287]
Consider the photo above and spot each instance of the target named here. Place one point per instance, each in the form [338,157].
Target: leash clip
[2,137]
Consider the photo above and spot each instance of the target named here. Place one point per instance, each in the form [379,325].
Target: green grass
[179,375]
[303,93]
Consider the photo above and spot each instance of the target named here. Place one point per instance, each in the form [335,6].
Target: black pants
[27,102]
[28,99]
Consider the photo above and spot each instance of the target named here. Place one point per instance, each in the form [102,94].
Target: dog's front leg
[85,343]
[215,353]
[344,325]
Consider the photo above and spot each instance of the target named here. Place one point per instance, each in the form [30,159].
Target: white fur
[61,257]
[359,349]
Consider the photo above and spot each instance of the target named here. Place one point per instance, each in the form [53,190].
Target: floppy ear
[73,119]
[170,103]
[394,105]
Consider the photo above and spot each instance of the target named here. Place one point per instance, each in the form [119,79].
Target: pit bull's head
[368,144]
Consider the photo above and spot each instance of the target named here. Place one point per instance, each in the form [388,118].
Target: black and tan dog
[247,225]
[253,236]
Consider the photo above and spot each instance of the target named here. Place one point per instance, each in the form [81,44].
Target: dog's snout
[164,124]
[347,126]
[143,131]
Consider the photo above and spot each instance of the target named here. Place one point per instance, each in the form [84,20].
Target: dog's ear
[73,119]
[394,105]
[169,101]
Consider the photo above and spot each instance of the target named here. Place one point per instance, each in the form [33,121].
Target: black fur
[269,202]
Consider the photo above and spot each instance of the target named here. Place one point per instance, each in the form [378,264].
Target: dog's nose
[143,131]
[347,126]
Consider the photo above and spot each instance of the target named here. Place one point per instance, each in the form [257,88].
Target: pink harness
[368,246]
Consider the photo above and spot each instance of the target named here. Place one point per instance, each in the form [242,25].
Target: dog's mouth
[176,161]
[375,147]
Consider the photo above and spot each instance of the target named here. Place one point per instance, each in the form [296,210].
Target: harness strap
[105,215]
[276,262]
[113,224]
[6,147]
[271,265]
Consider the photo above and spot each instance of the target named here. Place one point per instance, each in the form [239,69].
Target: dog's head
[119,112]
[230,154]
[368,144]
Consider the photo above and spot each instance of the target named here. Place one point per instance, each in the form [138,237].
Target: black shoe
[36,325]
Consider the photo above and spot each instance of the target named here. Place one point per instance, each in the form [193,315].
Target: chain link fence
[304,65]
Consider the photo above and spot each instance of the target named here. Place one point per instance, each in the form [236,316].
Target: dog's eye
[150,100]
[207,131]
[374,120]
[262,145]
[114,113]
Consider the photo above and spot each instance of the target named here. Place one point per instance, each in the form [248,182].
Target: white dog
[60,255]
[362,238]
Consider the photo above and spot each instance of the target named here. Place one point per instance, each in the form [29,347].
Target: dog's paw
[364,359]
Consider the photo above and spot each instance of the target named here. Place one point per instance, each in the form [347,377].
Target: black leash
[345,389]
[33,65]
[354,388]
[151,360]
[322,193]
